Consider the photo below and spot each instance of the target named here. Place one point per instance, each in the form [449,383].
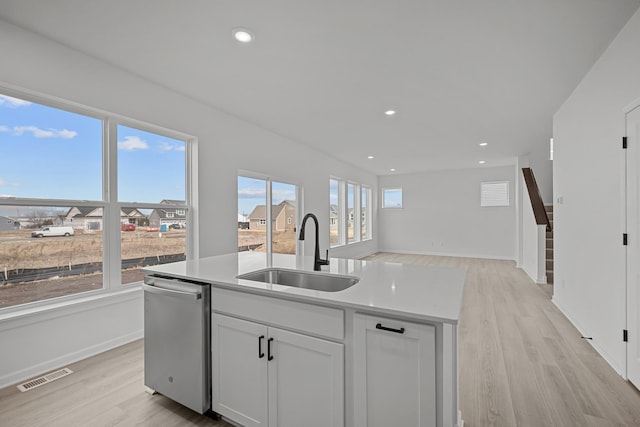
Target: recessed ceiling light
[482,162]
[483,144]
[390,112]
[243,35]
[369,157]
[392,169]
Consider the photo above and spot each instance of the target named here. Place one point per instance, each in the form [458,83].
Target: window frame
[111,206]
[484,203]
[341,219]
[383,198]
[269,221]
[367,215]
[343,212]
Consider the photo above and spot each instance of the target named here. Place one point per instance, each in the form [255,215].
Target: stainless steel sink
[302,279]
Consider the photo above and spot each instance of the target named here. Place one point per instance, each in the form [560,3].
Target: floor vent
[37,382]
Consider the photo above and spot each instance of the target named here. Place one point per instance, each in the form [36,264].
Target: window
[335,230]
[60,173]
[152,171]
[392,198]
[349,213]
[351,202]
[494,193]
[365,213]
[261,229]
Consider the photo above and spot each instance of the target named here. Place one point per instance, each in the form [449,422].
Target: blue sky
[49,153]
[253,192]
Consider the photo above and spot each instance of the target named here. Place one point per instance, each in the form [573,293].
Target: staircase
[549,246]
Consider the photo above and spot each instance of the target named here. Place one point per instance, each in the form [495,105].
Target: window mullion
[193,244]
[269,231]
[343,213]
[111,231]
[357,218]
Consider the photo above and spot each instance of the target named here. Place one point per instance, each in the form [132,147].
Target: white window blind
[494,193]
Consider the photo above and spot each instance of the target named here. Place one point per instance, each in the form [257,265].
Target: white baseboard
[601,351]
[539,281]
[456,255]
[59,362]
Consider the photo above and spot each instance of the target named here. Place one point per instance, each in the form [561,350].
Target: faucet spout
[317,261]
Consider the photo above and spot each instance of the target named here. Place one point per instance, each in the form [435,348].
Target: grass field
[19,251]
[284,242]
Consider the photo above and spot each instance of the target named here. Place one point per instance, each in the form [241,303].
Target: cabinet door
[306,381]
[394,373]
[239,370]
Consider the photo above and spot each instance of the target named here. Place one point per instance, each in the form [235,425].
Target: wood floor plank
[522,363]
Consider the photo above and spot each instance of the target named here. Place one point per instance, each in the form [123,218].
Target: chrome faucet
[317,261]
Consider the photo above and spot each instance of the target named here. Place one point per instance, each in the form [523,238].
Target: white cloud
[44,133]
[5,183]
[68,134]
[251,193]
[4,129]
[132,143]
[10,102]
[281,194]
[170,146]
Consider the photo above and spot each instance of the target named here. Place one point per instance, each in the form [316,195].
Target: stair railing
[539,212]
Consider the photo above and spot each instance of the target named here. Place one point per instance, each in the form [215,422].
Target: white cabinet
[269,376]
[239,370]
[394,373]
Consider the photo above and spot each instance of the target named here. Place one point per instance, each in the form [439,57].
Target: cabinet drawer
[309,318]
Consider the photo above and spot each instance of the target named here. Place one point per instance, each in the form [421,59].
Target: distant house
[172,214]
[333,215]
[84,218]
[243,222]
[283,217]
[91,218]
[7,223]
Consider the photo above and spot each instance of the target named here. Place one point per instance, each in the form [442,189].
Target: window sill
[346,245]
[67,306]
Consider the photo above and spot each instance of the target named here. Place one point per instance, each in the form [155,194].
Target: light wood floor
[521,364]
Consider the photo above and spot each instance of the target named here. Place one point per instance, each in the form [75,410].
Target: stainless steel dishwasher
[177,350]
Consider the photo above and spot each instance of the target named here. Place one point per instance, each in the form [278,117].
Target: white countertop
[419,292]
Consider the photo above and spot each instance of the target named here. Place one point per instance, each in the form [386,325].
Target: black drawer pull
[270,356]
[384,328]
[260,353]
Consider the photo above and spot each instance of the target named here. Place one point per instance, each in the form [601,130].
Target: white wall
[589,180]
[542,168]
[442,215]
[226,144]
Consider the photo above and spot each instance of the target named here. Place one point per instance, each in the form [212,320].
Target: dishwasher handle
[170,292]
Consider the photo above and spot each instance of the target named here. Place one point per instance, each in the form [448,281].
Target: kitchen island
[381,352]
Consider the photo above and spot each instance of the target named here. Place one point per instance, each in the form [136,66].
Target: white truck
[53,231]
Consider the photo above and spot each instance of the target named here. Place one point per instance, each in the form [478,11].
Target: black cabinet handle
[270,356]
[384,328]
[260,353]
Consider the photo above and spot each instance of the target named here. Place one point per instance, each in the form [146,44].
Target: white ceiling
[323,72]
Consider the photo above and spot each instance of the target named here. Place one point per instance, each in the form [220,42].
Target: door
[633,246]
[394,373]
[306,381]
[239,387]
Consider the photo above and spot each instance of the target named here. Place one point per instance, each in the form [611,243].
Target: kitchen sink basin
[302,279]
